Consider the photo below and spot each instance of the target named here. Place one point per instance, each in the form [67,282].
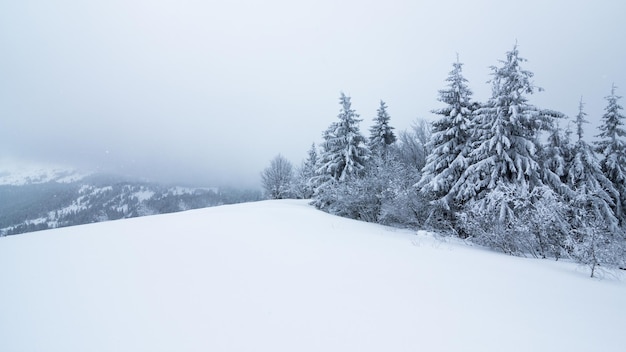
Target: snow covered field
[282,276]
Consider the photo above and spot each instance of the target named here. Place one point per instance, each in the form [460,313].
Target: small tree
[554,156]
[381,133]
[277,178]
[401,204]
[413,145]
[590,242]
[303,183]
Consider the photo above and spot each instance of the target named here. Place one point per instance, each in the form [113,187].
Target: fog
[207,92]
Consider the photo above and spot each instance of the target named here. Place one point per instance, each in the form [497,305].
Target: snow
[282,276]
[18,174]
[143,195]
[177,191]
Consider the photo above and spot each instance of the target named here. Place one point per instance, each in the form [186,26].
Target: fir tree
[310,164]
[554,156]
[595,238]
[613,150]
[505,133]
[381,133]
[344,149]
[584,176]
[450,138]
[304,185]
[343,157]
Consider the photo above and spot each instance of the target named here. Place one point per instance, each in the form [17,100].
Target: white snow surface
[282,276]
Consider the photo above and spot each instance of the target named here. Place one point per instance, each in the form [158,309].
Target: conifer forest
[501,173]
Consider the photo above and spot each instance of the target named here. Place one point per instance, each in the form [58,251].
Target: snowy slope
[281,276]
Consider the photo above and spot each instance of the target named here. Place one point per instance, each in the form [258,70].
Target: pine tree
[450,138]
[505,133]
[310,164]
[504,169]
[554,156]
[343,159]
[613,150]
[381,133]
[595,239]
[344,149]
[362,198]
[585,176]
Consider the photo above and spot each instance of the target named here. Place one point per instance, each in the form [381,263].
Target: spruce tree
[505,133]
[612,148]
[381,133]
[344,150]
[450,138]
[343,159]
[554,156]
[504,171]
[304,185]
[595,237]
[310,164]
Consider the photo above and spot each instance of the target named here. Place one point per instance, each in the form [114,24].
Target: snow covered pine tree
[612,148]
[344,154]
[303,183]
[381,133]
[595,237]
[504,161]
[450,145]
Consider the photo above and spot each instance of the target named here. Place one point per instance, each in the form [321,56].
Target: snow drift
[282,276]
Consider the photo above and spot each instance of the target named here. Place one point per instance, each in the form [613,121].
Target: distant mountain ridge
[31,174]
[33,199]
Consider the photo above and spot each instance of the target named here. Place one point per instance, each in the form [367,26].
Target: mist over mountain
[40,198]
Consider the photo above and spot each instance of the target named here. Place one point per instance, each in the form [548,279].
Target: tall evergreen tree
[344,150]
[585,175]
[505,134]
[450,138]
[613,150]
[342,159]
[596,234]
[381,133]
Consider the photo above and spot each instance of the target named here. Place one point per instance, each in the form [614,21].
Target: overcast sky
[207,92]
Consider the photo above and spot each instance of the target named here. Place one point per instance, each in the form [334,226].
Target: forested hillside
[42,202]
[503,173]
